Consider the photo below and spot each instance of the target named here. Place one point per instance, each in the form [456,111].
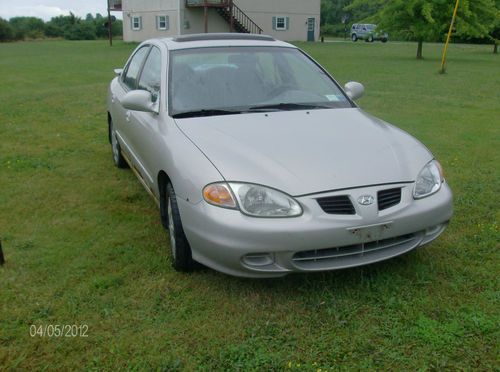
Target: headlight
[429,180]
[253,200]
[261,201]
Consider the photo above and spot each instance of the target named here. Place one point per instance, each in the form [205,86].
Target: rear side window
[134,67]
[151,74]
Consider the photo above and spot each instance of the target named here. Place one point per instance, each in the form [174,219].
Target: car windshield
[222,80]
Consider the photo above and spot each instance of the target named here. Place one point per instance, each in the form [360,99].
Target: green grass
[84,245]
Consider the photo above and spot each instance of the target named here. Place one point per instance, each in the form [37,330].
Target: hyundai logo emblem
[366,200]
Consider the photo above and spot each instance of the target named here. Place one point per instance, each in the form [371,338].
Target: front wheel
[179,246]
[118,158]
[354,37]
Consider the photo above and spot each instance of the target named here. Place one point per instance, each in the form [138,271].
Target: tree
[365,10]
[81,31]
[495,29]
[31,27]
[476,18]
[332,13]
[429,20]
[6,31]
[59,25]
[495,35]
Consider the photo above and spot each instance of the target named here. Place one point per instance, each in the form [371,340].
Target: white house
[289,20]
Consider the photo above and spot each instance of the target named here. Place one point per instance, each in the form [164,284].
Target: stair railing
[239,16]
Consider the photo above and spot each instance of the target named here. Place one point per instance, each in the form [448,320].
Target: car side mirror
[139,100]
[354,90]
[118,71]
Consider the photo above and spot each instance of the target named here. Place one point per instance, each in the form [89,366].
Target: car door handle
[127,116]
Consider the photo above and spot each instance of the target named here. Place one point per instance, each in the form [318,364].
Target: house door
[311,24]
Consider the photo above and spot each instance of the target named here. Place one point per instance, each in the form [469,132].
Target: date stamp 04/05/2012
[59,330]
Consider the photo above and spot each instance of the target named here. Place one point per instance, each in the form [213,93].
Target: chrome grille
[336,205]
[357,251]
[388,198]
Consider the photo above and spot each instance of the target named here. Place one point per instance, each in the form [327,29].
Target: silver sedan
[262,165]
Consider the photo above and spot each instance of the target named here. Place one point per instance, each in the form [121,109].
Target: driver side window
[151,74]
[130,76]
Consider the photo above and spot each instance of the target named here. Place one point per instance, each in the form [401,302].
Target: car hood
[305,152]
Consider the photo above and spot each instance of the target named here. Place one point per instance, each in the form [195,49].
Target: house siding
[297,11]
[184,20]
[148,11]
[193,20]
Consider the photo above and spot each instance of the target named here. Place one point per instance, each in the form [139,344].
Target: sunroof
[222,36]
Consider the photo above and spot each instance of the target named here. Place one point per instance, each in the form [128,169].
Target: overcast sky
[47,9]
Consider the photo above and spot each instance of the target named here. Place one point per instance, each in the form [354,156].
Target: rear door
[363,31]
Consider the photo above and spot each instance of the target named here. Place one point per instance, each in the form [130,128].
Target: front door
[311,25]
[144,126]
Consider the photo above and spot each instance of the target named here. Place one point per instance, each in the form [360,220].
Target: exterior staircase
[241,22]
[238,20]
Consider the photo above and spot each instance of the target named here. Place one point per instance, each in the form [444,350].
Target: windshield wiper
[287,107]
[207,112]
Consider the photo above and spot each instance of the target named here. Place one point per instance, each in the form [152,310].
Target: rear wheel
[384,40]
[354,37]
[179,246]
[370,39]
[118,158]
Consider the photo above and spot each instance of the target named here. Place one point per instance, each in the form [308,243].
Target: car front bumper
[236,244]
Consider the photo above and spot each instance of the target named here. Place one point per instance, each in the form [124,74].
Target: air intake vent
[352,254]
[388,198]
[336,205]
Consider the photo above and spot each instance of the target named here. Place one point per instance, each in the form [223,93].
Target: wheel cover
[114,146]
[171,228]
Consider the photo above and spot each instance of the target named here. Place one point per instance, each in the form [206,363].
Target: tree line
[69,27]
[478,21]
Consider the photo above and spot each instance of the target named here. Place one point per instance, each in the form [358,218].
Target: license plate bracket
[369,233]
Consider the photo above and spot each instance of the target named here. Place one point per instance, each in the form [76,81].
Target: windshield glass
[240,79]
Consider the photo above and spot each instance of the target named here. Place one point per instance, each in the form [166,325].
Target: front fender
[187,167]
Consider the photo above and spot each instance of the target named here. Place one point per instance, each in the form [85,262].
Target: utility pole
[205,15]
[110,33]
[445,50]
[345,18]
[231,23]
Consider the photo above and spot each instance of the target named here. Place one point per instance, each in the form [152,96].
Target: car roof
[221,40]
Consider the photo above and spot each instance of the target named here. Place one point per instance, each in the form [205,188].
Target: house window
[280,23]
[136,23]
[162,22]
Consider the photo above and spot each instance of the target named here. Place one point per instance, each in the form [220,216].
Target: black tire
[384,40]
[116,150]
[163,204]
[179,246]
[354,37]
[370,39]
